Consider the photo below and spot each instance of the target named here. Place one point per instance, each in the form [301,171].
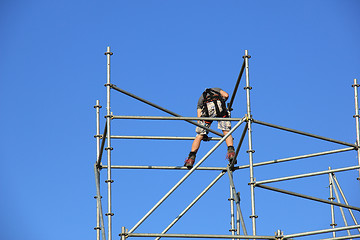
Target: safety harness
[211,95]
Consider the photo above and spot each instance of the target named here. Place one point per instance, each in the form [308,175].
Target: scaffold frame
[103,143]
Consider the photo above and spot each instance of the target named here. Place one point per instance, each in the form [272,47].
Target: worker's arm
[224,95]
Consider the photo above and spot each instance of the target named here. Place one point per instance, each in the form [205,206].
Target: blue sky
[305,55]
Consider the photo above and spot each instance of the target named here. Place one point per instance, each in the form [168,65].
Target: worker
[211,104]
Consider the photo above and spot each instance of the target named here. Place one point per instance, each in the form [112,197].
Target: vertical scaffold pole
[109,214]
[331,198]
[356,116]
[250,151]
[232,214]
[97,107]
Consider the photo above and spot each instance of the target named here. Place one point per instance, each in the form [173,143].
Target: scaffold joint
[109,181]
[248,87]
[109,148]
[98,136]
[109,214]
[126,235]
[246,56]
[97,228]
[109,116]
[253,216]
[97,197]
[279,234]
[355,116]
[355,85]
[252,183]
[110,85]
[97,106]
[248,118]
[333,224]
[106,53]
[250,151]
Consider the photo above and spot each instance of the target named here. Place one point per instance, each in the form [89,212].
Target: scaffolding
[238,229]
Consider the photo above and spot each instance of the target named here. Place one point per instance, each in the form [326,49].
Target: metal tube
[192,203]
[345,200]
[304,133]
[235,168]
[240,142]
[237,200]
[356,116]
[162,138]
[250,151]
[97,108]
[308,197]
[98,199]
[174,118]
[232,215]
[123,233]
[307,175]
[296,158]
[343,237]
[338,200]
[174,235]
[319,231]
[104,136]
[331,198]
[239,218]
[236,87]
[164,167]
[185,177]
[108,148]
[164,109]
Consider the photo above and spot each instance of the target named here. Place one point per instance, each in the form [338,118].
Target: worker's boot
[231,155]
[189,162]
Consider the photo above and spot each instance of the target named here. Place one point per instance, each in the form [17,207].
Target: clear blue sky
[305,55]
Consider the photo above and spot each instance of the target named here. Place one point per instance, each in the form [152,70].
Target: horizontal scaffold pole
[162,109]
[174,118]
[297,157]
[235,168]
[321,231]
[343,237]
[174,235]
[307,197]
[304,133]
[163,167]
[307,175]
[161,138]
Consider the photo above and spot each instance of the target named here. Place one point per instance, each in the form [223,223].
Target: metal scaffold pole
[356,116]
[99,213]
[338,200]
[331,198]
[250,151]
[345,200]
[109,214]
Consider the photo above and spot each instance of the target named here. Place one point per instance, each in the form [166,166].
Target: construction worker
[211,104]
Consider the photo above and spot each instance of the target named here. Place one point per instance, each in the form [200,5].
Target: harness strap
[210,95]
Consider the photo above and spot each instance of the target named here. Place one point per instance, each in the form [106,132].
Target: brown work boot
[231,155]
[189,162]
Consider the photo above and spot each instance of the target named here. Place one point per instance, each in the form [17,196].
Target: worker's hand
[224,95]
